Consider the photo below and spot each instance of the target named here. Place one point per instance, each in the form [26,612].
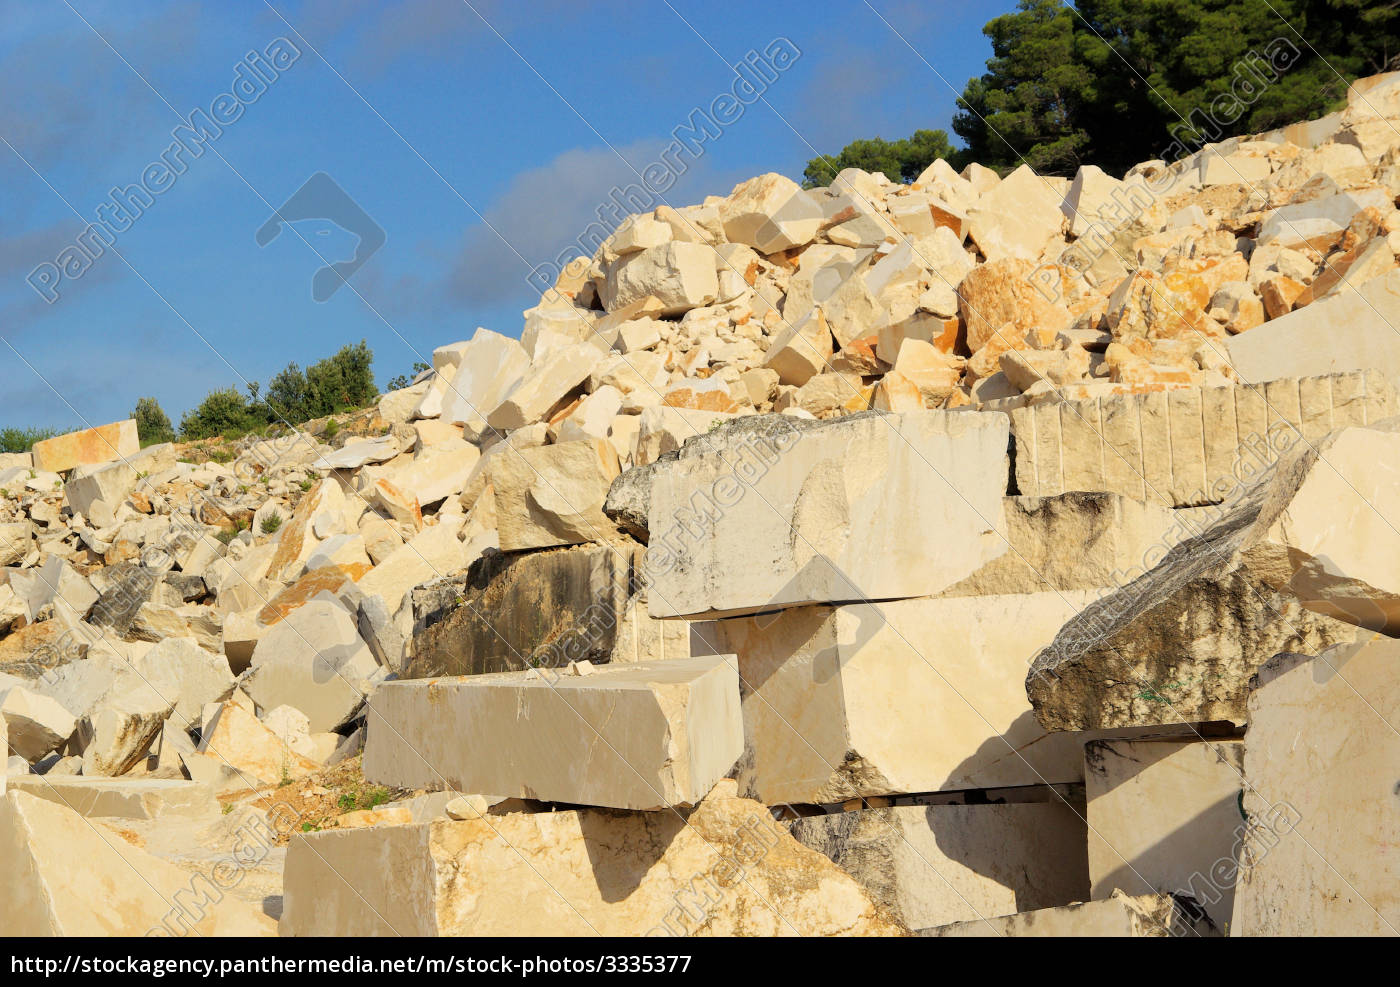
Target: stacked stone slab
[1188,446]
[852,699]
[835,512]
[1319,767]
[725,869]
[802,402]
[633,736]
[1165,817]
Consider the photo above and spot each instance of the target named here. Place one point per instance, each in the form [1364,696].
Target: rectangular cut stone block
[725,869]
[102,444]
[1164,818]
[1189,446]
[1121,916]
[639,736]
[1321,759]
[937,864]
[867,507]
[1352,330]
[908,696]
[124,798]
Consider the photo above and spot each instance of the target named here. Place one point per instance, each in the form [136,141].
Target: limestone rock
[1016,218]
[1333,544]
[37,724]
[1164,818]
[638,736]
[1179,643]
[432,553]
[295,539]
[588,873]
[770,213]
[108,482]
[809,507]
[1145,916]
[1002,298]
[489,366]
[553,495]
[681,276]
[900,696]
[353,455]
[1320,765]
[236,740]
[436,473]
[545,385]
[102,444]
[64,876]
[121,798]
[186,675]
[1072,541]
[664,430]
[1186,446]
[313,660]
[529,610]
[1349,331]
[932,865]
[116,736]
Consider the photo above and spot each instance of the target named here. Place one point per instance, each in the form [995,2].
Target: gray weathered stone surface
[1075,540]
[524,610]
[1179,643]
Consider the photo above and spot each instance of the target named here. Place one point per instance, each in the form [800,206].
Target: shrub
[23,439]
[271,523]
[224,412]
[152,423]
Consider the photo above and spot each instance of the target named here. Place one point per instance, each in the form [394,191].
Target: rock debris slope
[990,555]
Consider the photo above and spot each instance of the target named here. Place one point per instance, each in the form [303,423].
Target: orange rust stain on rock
[330,578]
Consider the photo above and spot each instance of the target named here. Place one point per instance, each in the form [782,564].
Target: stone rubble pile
[989,555]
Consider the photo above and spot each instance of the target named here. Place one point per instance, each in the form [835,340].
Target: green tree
[901,161]
[152,423]
[406,380]
[288,398]
[23,439]
[1115,82]
[342,381]
[225,412]
[337,383]
[1027,108]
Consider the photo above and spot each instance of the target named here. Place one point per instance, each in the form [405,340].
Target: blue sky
[481,138]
